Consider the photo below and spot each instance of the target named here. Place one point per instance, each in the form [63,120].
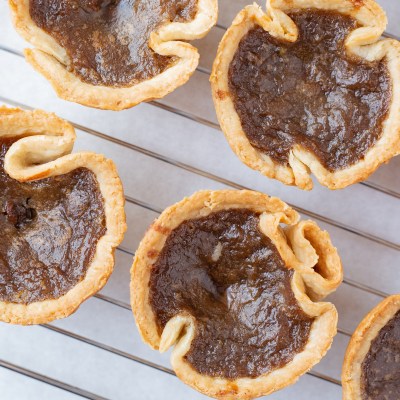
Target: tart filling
[50,230]
[380,377]
[107,41]
[230,277]
[310,92]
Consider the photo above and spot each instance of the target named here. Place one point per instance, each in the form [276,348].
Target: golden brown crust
[50,60]
[360,344]
[363,42]
[44,151]
[180,330]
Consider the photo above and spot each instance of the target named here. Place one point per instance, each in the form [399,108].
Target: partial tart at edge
[61,215]
[113,55]
[371,368]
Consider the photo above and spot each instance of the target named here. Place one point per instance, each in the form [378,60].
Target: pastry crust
[44,151]
[50,59]
[363,41]
[310,242]
[360,344]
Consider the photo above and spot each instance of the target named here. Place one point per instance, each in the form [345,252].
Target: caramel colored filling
[380,378]
[310,93]
[107,41]
[50,229]
[229,276]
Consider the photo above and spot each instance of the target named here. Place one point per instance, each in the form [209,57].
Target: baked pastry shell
[302,245]
[360,344]
[50,59]
[44,151]
[363,41]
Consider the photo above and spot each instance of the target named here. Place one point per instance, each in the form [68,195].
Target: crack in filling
[230,277]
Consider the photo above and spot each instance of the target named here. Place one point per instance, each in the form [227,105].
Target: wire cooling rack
[164,150]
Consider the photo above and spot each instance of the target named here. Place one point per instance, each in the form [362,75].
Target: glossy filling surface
[107,41]
[380,378]
[227,274]
[50,229]
[310,93]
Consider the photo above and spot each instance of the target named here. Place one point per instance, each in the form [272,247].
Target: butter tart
[218,278]
[371,369]
[308,87]
[61,218]
[113,54]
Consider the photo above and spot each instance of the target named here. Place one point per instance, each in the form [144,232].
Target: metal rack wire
[153,208]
